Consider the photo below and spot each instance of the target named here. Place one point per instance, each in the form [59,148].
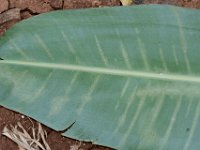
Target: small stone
[35,6]
[38,6]
[57,4]
[21,4]
[3,5]
[25,15]
[47,1]
[12,14]
[71,4]
[12,3]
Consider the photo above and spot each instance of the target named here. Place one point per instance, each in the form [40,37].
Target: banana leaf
[123,77]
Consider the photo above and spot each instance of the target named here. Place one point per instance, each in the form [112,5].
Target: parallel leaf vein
[108,71]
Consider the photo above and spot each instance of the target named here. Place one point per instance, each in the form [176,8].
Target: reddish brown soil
[22,9]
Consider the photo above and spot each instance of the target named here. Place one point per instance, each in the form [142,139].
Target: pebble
[3,5]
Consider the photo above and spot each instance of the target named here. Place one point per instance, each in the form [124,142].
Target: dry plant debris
[76,147]
[25,141]
[126,2]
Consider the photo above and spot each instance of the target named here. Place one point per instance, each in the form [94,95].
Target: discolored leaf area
[123,77]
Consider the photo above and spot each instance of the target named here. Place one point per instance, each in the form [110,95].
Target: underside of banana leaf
[123,77]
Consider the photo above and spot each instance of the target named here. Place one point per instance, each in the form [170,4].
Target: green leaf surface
[127,77]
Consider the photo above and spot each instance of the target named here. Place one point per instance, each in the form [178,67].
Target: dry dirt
[12,11]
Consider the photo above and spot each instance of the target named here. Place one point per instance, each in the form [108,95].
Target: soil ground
[12,11]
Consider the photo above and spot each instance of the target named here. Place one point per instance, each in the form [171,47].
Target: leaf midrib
[108,71]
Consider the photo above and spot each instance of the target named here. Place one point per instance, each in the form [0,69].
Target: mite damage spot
[187,129]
